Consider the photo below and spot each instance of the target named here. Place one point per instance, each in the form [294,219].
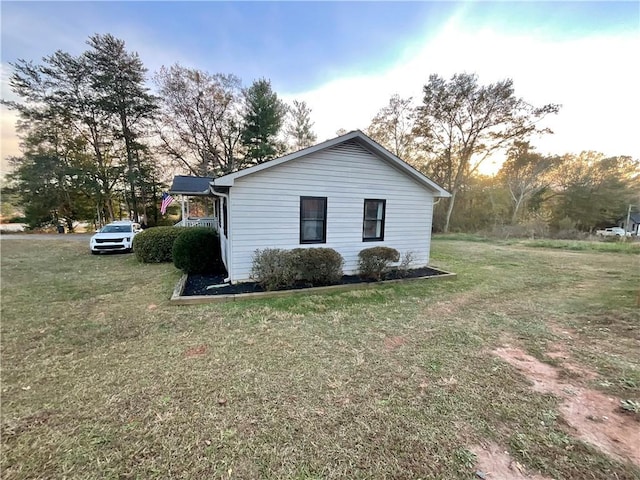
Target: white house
[348,193]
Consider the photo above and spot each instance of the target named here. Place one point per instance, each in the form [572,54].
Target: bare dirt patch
[576,372]
[196,351]
[494,463]
[391,343]
[593,416]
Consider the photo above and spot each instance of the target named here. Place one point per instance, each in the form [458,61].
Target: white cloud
[594,78]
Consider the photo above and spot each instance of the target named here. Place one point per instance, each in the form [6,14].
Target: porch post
[183,211]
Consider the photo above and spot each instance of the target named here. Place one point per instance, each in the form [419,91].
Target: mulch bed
[197,284]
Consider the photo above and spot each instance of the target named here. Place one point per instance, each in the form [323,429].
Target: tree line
[460,124]
[98,144]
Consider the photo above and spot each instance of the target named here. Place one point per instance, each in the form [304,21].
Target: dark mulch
[197,283]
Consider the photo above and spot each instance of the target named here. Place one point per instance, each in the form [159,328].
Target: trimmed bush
[272,268]
[317,266]
[374,262]
[275,268]
[197,250]
[155,245]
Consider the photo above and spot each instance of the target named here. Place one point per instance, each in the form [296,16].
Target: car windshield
[116,229]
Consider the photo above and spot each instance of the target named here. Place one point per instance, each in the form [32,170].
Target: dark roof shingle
[186,185]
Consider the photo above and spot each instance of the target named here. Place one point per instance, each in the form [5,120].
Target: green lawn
[102,378]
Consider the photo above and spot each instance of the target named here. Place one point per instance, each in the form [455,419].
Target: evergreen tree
[263,118]
[97,99]
[50,179]
[118,78]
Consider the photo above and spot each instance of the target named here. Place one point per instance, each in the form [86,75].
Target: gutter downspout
[228,245]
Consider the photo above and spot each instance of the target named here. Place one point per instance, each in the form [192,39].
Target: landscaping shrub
[155,245]
[405,265]
[273,268]
[374,261]
[197,250]
[317,266]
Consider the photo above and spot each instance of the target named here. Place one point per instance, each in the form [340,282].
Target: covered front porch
[197,205]
[200,206]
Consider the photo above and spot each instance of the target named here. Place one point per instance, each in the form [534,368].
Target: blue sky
[346,58]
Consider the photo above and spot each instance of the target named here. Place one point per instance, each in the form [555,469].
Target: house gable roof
[356,136]
[633,217]
[192,186]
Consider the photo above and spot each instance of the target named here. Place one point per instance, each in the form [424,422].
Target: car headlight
[127,239]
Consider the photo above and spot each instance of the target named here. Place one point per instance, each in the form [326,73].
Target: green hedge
[275,268]
[155,245]
[374,261]
[197,250]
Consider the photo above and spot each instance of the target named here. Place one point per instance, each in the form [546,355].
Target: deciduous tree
[593,190]
[200,121]
[300,127]
[461,123]
[525,173]
[393,128]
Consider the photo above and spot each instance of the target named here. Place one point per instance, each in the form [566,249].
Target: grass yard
[101,378]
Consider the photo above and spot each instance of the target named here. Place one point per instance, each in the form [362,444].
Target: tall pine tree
[118,76]
[99,100]
[263,118]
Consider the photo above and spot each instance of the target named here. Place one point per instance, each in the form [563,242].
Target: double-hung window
[373,225]
[313,219]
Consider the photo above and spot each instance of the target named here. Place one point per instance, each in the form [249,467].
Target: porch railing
[209,222]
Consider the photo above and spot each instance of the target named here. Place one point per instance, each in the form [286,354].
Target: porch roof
[193,186]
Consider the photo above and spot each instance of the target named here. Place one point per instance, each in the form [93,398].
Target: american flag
[166,201]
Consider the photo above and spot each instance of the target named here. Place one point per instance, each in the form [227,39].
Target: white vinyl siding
[265,207]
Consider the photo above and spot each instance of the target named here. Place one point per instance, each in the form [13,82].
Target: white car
[114,237]
[613,232]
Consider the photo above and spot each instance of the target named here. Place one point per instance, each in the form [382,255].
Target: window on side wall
[313,219]
[373,225]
